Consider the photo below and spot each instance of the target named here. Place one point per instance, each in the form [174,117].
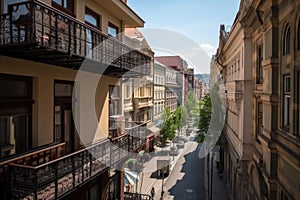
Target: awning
[154,130]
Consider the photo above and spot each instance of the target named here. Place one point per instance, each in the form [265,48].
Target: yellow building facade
[61,63]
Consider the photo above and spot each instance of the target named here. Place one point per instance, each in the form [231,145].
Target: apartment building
[190,79]
[159,92]
[171,90]
[269,32]
[180,66]
[237,77]
[61,63]
[198,88]
[139,90]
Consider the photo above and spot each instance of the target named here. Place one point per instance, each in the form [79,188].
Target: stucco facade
[59,89]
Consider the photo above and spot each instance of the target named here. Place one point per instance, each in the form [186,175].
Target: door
[65,130]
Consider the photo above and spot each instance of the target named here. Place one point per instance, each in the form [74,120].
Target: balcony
[140,102]
[44,175]
[37,32]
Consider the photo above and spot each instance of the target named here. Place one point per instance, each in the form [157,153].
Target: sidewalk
[148,177]
[219,190]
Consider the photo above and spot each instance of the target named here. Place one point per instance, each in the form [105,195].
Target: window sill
[290,137]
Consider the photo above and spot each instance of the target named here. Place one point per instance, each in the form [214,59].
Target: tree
[168,128]
[173,121]
[180,117]
[191,104]
[205,113]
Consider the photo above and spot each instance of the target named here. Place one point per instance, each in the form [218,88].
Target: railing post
[33,21]
[10,24]
[70,37]
[56,181]
[56,31]
[73,171]
[82,165]
[35,187]
[90,157]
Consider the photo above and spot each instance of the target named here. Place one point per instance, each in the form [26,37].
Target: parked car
[180,144]
[160,144]
[174,151]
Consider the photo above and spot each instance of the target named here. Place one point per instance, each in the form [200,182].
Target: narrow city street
[186,181]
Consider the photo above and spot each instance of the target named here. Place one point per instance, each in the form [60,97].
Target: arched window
[287,40]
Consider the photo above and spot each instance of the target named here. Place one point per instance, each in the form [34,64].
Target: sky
[196,20]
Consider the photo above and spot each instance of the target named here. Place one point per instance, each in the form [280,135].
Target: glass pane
[7,2]
[57,124]
[58,1]
[14,135]
[91,19]
[13,88]
[68,130]
[89,44]
[63,89]
[112,31]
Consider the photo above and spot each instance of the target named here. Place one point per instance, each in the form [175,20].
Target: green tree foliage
[191,104]
[180,117]
[205,111]
[172,122]
[168,128]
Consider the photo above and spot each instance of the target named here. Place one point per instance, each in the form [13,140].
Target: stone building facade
[267,53]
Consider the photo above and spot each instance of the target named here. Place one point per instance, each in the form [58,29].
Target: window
[283,195]
[94,192]
[113,187]
[127,91]
[8,2]
[114,109]
[287,40]
[92,18]
[259,126]
[286,102]
[298,34]
[114,100]
[113,30]
[259,72]
[15,114]
[298,103]
[64,5]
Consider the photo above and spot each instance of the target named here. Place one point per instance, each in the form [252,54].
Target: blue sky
[196,19]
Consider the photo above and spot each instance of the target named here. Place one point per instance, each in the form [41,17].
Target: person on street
[152,192]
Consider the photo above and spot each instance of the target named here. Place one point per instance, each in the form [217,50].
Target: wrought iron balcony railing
[54,178]
[35,31]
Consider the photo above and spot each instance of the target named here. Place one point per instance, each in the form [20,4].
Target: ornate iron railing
[58,38]
[56,178]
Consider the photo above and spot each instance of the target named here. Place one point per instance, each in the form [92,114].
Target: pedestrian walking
[162,195]
[152,192]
